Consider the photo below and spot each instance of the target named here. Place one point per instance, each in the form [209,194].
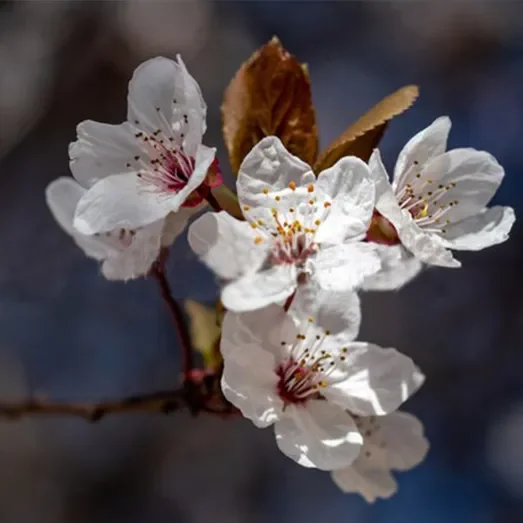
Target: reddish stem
[178,319]
[288,301]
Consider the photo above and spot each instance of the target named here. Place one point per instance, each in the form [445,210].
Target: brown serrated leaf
[269,95]
[363,136]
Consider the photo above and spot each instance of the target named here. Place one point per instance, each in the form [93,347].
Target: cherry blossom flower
[392,442]
[298,228]
[125,253]
[437,200]
[301,371]
[151,165]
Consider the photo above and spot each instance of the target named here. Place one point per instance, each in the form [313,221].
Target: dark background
[67,333]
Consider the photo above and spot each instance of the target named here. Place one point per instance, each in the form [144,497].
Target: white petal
[102,150]
[489,227]
[376,381]
[427,144]
[386,202]
[202,161]
[371,484]
[62,197]
[254,397]
[256,290]
[226,245]
[398,267]
[161,93]
[477,176]
[349,188]
[255,330]
[135,260]
[249,379]
[120,201]
[336,312]
[253,393]
[270,167]
[428,247]
[405,443]
[318,435]
[344,267]
[379,175]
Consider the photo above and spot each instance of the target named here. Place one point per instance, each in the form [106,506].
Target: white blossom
[124,253]
[437,200]
[151,165]
[302,372]
[297,228]
[392,442]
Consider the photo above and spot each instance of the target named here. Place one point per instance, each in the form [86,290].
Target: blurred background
[67,333]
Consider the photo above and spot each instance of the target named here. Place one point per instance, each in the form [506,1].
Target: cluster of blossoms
[290,270]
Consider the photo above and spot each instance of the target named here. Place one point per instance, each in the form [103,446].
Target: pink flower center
[167,168]
[297,383]
[308,367]
[292,249]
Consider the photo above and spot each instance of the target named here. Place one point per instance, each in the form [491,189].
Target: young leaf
[269,95]
[363,136]
[228,201]
[204,331]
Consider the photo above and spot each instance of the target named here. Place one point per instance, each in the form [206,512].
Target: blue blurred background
[67,333]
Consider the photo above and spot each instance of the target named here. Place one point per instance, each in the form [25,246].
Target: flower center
[307,368]
[166,168]
[427,202]
[293,224]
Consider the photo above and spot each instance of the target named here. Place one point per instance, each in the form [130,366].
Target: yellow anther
[310,187]
[424,211]
[274,211]
[322,384]
[326,204]
[292,186]
[246,207]
[277,198]
[253,225]
[344,349]
[258,240]
[317,222]
[260,222]
[310,319]
[265,191]
[311,202]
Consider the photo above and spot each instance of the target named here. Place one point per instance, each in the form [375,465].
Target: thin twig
[195,397]
[159,402]
[158,273]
